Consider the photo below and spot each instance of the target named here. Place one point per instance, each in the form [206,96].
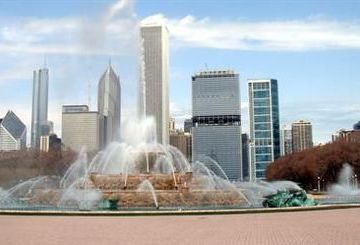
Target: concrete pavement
[339,226]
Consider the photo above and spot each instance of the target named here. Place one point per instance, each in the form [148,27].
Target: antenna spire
[89,93]
[45,61]
[109,60]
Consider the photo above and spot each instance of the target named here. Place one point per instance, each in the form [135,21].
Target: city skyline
[324,65]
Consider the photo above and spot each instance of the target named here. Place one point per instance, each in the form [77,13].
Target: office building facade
[264,125]
[154,79]
[245,156]
[347,135]
[188,125]
[216,120]
[182,141]
[172,125]
[285,140]
[301,135]
[80,128]
[50,143]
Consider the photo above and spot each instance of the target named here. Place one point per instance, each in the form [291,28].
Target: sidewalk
[311,227]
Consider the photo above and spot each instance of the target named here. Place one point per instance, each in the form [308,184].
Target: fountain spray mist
[346,184]
[101,33]
[122,6]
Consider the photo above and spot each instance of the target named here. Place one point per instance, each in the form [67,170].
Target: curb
[174,212]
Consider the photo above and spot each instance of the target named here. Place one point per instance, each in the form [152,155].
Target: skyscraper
[216,120]
[80,128]
[264,125]
[285,141]
[301,135]
[50,143]
[39,120]
[153,85]
[188,125]
[109,106]
[12,133]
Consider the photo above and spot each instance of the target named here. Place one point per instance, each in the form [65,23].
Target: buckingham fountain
[139,173]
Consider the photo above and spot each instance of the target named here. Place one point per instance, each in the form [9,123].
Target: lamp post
[355,181]
[318,183]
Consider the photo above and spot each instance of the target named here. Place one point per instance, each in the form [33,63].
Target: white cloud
[84,36]
[69,37]
[293,35]
[14,74]
[72,36]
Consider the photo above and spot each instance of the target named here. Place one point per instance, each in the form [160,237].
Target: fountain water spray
[146,186]
[345,189]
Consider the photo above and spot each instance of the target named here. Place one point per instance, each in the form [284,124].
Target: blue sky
[311,47]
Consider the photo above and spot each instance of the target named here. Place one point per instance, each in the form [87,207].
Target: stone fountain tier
[174,181]
[174,198]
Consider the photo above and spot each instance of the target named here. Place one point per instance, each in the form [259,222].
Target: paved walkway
[311,227]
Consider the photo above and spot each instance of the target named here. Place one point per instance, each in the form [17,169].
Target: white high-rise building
[12,133]
[109,106]
[216,121]
[39,121]
[154,84]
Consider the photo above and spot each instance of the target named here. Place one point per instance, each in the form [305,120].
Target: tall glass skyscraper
[39,120]
[154,88]
[264,125]
[216,121]
[109,106]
